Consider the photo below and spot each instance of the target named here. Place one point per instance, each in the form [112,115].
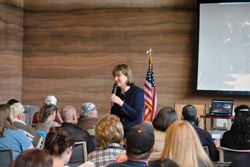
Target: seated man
[69,117]
[88,117]
[189,113]
[17,110]
[139,145]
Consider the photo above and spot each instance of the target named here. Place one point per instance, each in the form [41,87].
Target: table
[229,118]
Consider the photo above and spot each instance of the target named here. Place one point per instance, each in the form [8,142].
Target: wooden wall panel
[70,48]
[71,54]
[11,45]
[71,5]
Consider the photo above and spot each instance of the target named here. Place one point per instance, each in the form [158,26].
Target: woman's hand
[116,99]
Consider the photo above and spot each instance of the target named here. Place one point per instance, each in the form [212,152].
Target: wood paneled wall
[71,46]
[11,49]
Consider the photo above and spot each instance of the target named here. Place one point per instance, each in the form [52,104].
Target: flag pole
[150,96]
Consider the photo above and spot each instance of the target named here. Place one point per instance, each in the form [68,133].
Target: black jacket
[79,134]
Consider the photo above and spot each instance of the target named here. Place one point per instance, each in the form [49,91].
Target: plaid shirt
[104,157]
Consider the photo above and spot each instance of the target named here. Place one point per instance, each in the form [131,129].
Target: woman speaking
[127,99]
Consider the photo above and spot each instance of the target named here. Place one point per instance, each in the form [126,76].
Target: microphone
[114,90]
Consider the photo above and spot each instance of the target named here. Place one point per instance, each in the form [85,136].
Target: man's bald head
[69,114]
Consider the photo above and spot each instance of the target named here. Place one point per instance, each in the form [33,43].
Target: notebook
[221,107]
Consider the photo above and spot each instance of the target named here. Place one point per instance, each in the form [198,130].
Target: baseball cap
[87,108]
[50,99]
[140,138]
[17,108]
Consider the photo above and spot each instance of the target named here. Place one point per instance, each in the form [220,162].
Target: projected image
[237,35]
[224,47]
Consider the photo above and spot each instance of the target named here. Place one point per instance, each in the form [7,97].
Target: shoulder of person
[136,88]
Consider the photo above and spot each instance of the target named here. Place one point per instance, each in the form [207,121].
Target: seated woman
[11,137]
[238,137]
[184,147]
[33,158]
[165,117]
[59,144]
[109,137]
[47,116]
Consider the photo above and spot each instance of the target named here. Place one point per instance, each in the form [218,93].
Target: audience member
[88,117]
[10,136]
[47,117]
[69,117]
[59,144]
[52,100]
[17,110]
[139,145]
[165,162]
[109,137]
[238,137]
[165,117]
[49,100]
[184,147]
[189,113]
[33,158]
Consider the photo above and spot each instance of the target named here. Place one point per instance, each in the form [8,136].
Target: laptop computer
[221,107]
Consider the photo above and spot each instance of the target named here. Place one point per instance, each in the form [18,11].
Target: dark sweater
[130,113]
[79,134]
[206,140]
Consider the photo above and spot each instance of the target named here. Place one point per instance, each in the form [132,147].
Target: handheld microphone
[114,90]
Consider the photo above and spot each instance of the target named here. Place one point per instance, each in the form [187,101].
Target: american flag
[150,96]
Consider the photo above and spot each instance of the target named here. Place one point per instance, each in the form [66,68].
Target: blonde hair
[125,70]
[183,145]
[109,130]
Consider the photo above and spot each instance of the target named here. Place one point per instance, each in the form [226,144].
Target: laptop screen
[222,107]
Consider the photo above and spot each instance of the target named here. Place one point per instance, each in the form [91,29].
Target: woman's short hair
[46,111]
[125,70]
[183,145]
[109,130]
[33,158]
[189,113]
[5,119]
[57,141]
[165,117]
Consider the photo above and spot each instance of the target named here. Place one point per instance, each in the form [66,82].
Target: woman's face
[121,80]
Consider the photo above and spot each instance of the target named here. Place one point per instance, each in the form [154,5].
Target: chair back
[79,154]
[227,154]
[6,157]
[30,110]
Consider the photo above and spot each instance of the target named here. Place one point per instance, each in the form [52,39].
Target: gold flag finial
[149,52]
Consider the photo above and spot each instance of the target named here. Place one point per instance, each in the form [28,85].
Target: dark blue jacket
[130,113]
[206,140]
